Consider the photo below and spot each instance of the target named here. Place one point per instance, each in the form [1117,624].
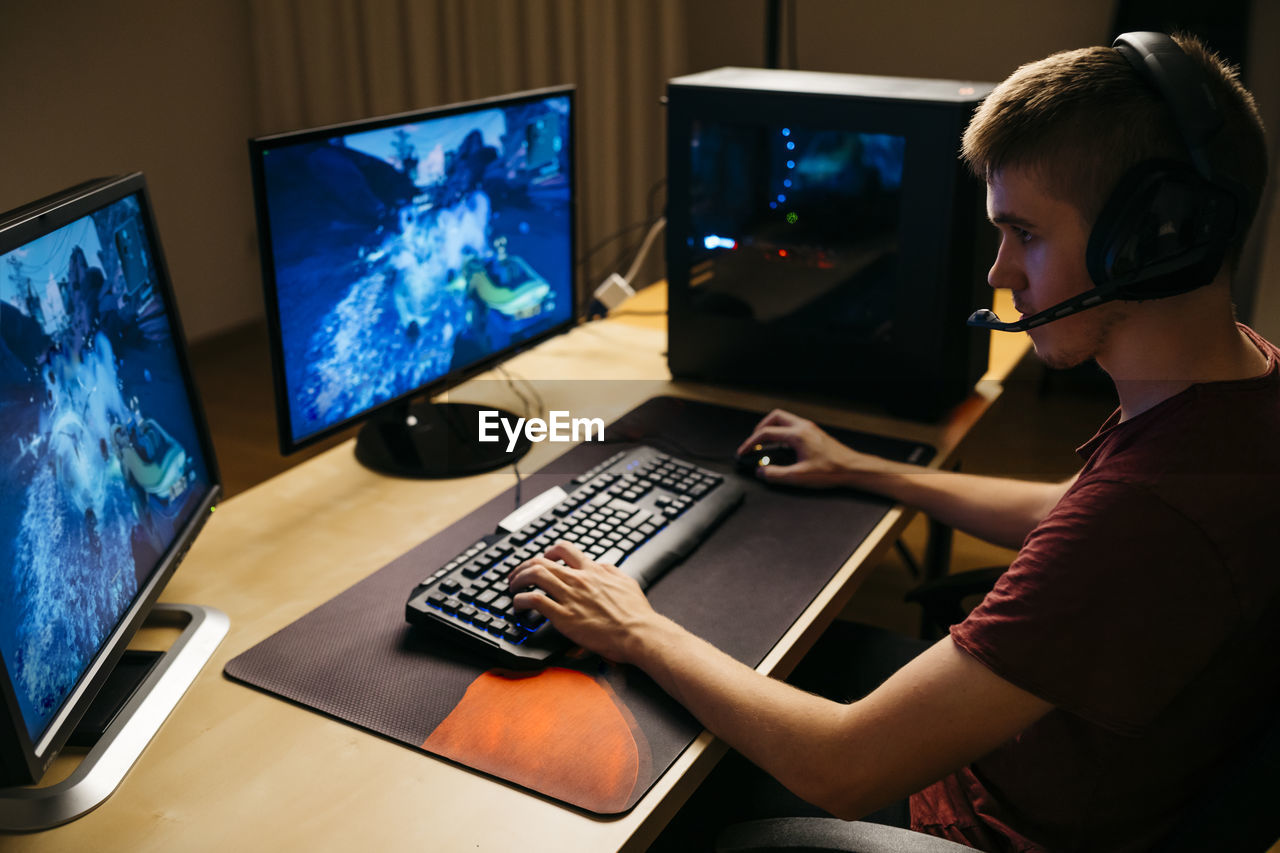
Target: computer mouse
[765,455]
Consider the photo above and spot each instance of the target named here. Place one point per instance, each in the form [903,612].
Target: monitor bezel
[260,145]
[26,759]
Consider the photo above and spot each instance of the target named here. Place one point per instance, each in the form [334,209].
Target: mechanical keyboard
[641,510]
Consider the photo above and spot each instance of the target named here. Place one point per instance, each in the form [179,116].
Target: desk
[236,769]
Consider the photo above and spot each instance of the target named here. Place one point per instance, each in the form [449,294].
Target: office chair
[798,834]
[943,599]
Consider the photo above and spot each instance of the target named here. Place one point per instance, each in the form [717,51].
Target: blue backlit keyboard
[641,510]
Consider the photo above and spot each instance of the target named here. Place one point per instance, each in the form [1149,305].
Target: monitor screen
[402,254]
[108,471]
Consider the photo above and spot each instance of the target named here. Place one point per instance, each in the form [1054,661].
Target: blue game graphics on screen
[404,253]
[102,463]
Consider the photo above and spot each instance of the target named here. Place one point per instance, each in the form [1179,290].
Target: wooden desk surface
[236,769]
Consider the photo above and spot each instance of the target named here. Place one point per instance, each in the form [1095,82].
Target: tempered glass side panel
[796,226]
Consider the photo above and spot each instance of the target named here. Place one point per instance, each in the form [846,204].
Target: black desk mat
[583,731]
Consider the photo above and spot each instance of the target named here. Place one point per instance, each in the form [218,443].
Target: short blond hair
[1082,118]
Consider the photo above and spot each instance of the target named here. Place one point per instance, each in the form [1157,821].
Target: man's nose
[1004,272]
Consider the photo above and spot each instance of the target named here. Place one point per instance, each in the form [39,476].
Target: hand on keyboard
[595,605]
[641,509]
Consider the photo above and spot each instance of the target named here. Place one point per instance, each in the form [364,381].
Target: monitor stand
[26,808]
[435,441]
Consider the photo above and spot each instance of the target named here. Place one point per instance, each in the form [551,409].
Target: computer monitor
[402,255]
[109,471]
[823,235]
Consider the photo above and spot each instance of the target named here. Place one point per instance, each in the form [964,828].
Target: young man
[1135,639]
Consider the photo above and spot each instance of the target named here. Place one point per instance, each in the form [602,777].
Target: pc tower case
[824,236]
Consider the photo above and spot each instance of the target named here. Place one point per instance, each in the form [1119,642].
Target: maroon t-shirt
[1146,608]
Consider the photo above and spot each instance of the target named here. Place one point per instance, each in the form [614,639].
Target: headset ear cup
[1114,225]
[1164,230]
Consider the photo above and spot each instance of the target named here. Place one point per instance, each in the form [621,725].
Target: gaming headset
[1166,226]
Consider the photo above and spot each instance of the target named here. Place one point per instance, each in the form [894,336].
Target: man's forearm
[790,734]
[996,509]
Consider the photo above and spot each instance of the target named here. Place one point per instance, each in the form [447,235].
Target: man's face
[1042,262]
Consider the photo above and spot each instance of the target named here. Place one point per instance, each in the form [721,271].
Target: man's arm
[996,509]
[999,510]
[938,713]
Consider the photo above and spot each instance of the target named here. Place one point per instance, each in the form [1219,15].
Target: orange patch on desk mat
[559,732]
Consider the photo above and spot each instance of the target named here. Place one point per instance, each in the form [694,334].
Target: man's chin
[1057,359]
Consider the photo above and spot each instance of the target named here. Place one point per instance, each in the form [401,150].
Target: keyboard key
[530,619]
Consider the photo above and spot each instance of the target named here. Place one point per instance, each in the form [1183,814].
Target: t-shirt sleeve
[1113,605]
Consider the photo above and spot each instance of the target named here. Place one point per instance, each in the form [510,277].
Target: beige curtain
[323,61]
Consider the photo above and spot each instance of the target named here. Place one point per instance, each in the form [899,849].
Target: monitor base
[29,808]
[435,441]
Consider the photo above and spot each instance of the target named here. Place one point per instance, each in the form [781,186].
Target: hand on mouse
[821,461]
[595,605]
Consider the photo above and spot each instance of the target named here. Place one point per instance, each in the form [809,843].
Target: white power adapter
[613,292]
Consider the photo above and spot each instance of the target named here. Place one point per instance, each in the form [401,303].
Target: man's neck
[1162,351]
[1148,369]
